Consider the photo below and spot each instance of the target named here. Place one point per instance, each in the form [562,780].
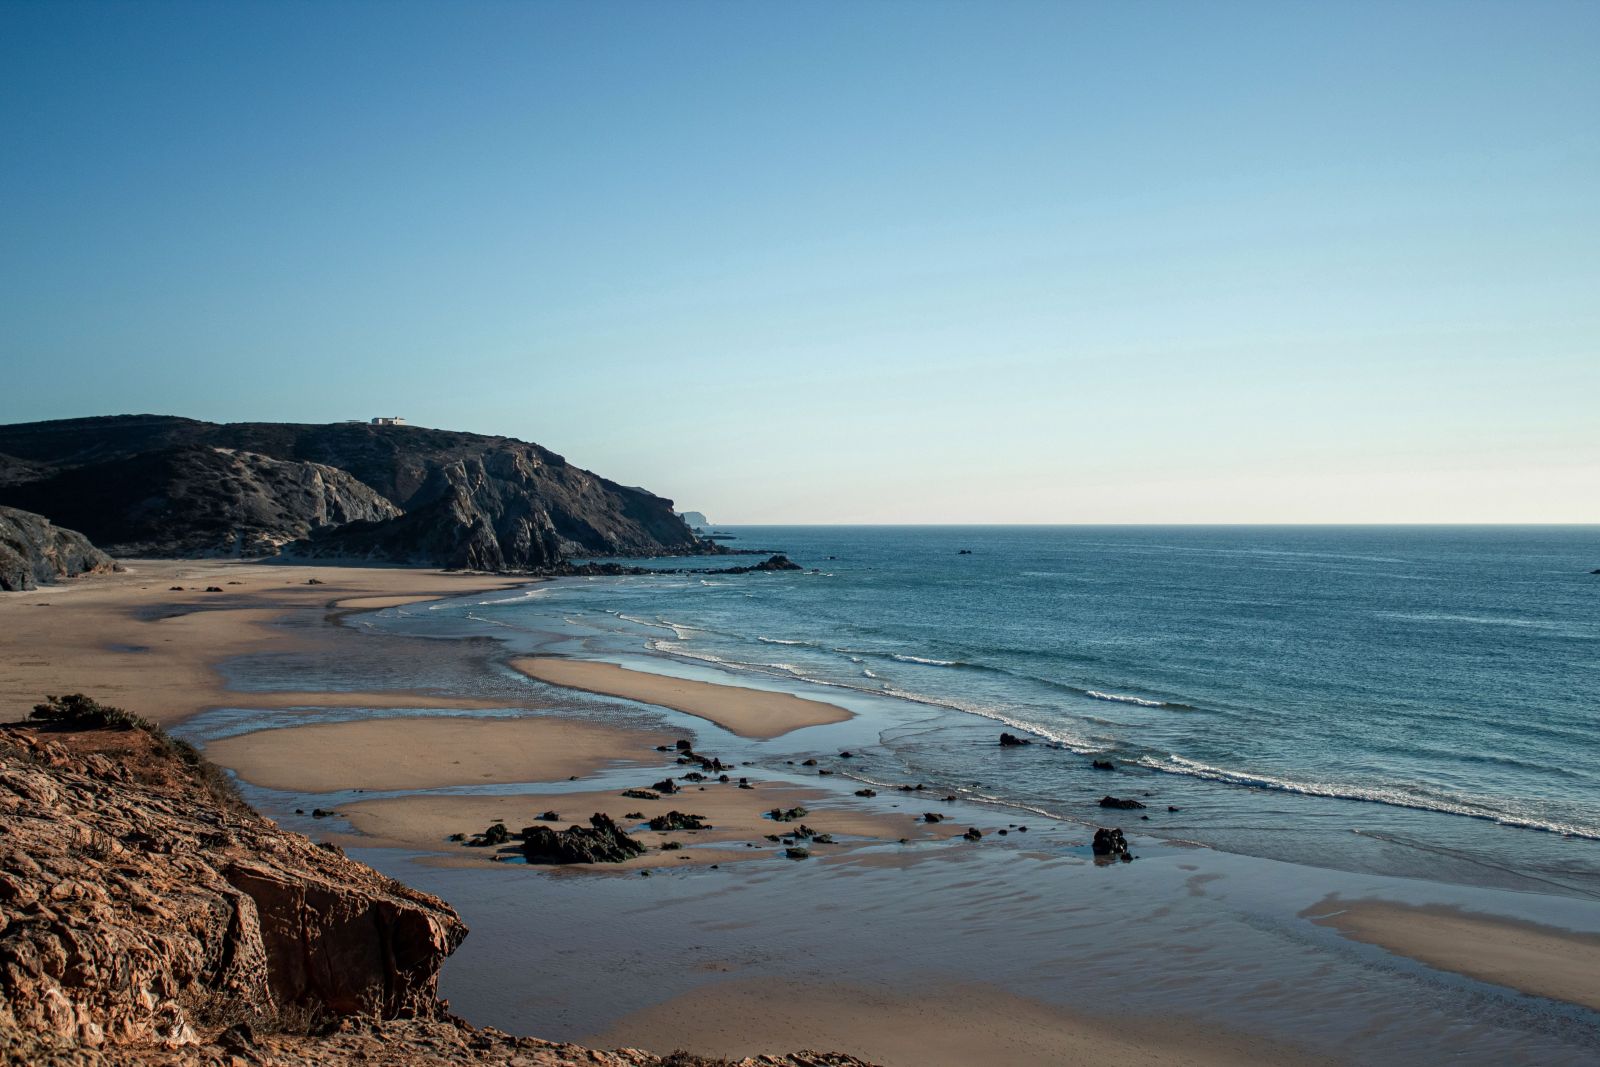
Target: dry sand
[1544,960]
[946,1027]
[426,753]
[746,712]
[130,639]
[737,815]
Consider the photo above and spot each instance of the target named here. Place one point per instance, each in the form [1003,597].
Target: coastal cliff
[198,500]
[34,550]
[165,486]
[148,916]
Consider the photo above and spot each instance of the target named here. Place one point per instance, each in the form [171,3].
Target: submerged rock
[599,842]
[1119,802]
[1008,740]
[1103,765]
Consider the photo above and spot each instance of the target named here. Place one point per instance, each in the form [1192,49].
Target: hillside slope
[35,551]
[455,499]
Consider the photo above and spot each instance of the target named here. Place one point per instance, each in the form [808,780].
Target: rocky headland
[155,485]
[149,916]
[33,551]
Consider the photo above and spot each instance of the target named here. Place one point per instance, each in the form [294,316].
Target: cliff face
[196,500]
[33,550]
[455,499]
[148,917]
[139,909]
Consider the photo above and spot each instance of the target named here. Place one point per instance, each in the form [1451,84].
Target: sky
[827,262]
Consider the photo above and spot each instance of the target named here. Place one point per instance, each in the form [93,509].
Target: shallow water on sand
[1399,700]
[1184,931]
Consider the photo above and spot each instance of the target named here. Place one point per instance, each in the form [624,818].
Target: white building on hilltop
[385,421]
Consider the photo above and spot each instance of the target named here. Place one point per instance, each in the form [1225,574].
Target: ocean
[1421,701]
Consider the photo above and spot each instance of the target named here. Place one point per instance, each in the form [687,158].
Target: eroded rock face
[139,908]
[149,917]
[178,487]
[196,500]
[33,551]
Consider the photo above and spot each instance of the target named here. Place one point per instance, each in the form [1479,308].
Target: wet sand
[132,640]
[426,753]
[747,712]
[736,815]
[955,1026]
[1544,960]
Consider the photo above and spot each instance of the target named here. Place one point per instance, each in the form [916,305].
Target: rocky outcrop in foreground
[148,916]
[167,486]
[32,550]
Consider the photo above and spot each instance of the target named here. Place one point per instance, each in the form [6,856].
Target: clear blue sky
[1057,262]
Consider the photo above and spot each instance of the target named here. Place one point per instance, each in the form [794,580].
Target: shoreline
[754,713]
[137,640]
[356,755]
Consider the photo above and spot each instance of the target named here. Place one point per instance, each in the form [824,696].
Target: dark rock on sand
[599,842]
[640,794]
[666,786]
[787,814]
[677,820]
[1119,802]
[932,816]
[1109,842]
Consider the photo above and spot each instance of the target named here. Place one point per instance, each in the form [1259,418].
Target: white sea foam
[903,658]
[1122,699]
[1375,794]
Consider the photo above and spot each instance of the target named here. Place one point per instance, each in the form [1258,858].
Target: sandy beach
[940,1027]
[1543,960]
[738,818]
[426,753]
[133,640]
[149,638]
[746,712]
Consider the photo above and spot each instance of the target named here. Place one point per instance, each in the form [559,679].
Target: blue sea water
[1416,700]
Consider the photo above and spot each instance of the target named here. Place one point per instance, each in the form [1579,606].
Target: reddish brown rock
[148,916]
